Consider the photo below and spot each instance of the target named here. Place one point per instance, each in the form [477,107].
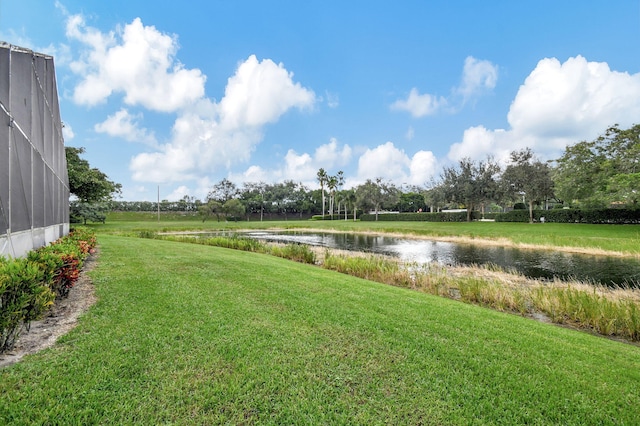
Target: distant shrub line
[589,216]
[30,285]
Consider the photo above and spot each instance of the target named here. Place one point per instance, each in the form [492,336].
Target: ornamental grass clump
[374,268]
[487,292]
[610,312]
[296,252]
[235,242]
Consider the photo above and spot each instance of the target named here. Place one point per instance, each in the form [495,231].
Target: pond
[541,264]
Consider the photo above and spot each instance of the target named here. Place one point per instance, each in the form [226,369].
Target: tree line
[590,174]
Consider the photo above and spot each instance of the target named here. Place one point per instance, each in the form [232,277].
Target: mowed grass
[620,239]
[189,334]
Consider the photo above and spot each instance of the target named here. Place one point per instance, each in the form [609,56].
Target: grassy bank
[612,239]
[191,334]
[599,309]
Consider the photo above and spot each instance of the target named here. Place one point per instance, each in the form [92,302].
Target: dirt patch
[62,317]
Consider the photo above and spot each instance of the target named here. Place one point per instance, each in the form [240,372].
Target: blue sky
[184,94]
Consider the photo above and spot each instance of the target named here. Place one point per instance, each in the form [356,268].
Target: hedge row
[593,216]
[422,217]
[29,286]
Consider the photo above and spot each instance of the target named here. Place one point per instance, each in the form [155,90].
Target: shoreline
[500,242]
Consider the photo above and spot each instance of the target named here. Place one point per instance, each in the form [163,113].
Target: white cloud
[423,168]
[558,104]
[259,93]
[252,174]
[331,155]
[390,163]
[478,76]
[576,98]
[138,61]
[333,100]
[410,133]
[298,167]
[126,126]
[209,136]
[478,142]
[67,132]
[301,167]
[419,105]
[178,193]
[136,193]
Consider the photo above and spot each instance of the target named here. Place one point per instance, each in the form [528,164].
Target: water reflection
[545,264]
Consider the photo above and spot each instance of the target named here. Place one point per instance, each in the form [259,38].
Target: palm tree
[340,184]
[350,199]
[332,184]
[322,178]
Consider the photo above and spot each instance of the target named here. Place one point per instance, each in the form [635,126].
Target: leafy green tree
[530,177]
[233,209]
[252,196]
[89,184]
[434,196]
[579,176]
[211,208]
[411,202]
[376,194]
[289,197]
[603,171]
[223,191]
[471,184]
[94,212]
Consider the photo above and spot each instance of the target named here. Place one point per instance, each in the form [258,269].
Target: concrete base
[18,244]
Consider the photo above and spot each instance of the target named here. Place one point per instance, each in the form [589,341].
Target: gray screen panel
[21,90]
[20,183]
[4,77]
[38,190]
[4,173]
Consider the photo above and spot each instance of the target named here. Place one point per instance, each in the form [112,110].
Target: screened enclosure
[34,188]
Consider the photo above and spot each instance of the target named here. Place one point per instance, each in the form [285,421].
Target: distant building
[34,187]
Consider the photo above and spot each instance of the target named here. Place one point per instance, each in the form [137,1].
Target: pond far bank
[409,234]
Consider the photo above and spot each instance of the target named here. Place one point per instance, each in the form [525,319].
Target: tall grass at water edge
[296,252]
[603,310]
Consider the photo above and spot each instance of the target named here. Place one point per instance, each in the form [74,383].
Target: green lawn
[189,334]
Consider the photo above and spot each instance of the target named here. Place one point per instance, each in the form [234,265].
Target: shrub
[423,217]
[592,216]
[24,297]
[29,286]
[62,260]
